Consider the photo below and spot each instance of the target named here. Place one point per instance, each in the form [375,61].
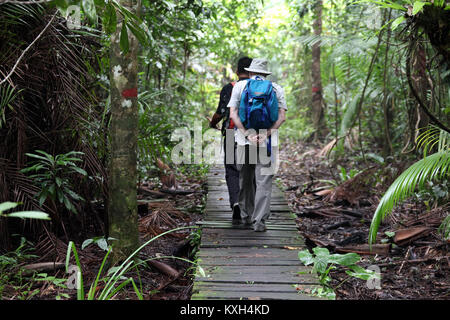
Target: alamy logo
[207,147]
[73,17]
[74,280]
[374,282]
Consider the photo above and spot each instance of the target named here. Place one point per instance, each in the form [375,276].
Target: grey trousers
[255,182]
[232,178]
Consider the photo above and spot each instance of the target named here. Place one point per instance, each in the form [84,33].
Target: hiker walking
[257,109]
[223,113]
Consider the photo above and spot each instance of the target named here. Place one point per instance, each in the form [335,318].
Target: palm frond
[431,137]
[435,166]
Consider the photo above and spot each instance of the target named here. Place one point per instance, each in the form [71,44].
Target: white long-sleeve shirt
[235,102]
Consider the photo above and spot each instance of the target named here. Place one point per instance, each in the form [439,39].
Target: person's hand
[257,138]
[253,138]
[261,138]
[210,123]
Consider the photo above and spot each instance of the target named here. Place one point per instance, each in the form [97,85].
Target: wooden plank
[249,287]
[233,261]
[248,295]
[254,253]
[259,274]
[243,264]
[253,291]
[225,207]
[246,233]
[273,215]
[228,225]
[249,243]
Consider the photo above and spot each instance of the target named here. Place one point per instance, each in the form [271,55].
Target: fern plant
[432,167]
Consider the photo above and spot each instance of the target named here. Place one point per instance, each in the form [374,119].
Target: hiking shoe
[236,220]
[247,221]
[259,227]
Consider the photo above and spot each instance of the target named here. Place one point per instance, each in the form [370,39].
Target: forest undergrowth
[168,276]
[334,202]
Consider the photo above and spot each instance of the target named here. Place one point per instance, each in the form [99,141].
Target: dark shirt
[222,110]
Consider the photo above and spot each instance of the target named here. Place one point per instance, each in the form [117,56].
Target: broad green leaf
[79,170]
[361,273]
[86,243]
[305,257]
[42,197]
[7,205]
[347,259]
[322,259]
[417,7]
[397,22]
[138,33]
[30,215]
[103,244]
[48,158]
[124,43]
[58,181]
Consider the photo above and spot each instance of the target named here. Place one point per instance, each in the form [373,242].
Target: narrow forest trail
[243,264]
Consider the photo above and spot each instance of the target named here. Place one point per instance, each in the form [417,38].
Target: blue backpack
[259,104]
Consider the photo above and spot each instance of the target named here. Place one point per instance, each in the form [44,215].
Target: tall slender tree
[317,98]
[122,202]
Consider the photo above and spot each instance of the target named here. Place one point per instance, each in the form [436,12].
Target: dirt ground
[411,255]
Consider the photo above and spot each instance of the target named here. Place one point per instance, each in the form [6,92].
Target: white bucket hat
[258,66]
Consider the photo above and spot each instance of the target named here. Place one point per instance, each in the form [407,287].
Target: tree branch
[416,95]
[26,49]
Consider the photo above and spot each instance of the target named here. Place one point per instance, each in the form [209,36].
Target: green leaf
[389,234]
[7,205]
[361,273]
[397,21]
[30,215]
[347,259]
[417,7]
[136,290]
[201,271]
[322,259]
[89,9]
[138,33]
[42,197]
[435,166]
[110,19]
[58,181]
[48,158]
[305,257]
[86,243]
[102,244]
[124,44]
[80,171]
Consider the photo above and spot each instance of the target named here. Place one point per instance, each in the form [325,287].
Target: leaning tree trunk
[122,202]
[317,98]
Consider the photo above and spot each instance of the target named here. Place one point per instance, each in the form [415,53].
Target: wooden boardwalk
[242,264]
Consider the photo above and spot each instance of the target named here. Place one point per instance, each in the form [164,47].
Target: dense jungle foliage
[363,79]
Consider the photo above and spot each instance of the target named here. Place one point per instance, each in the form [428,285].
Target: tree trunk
[122,202]
[317,99]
